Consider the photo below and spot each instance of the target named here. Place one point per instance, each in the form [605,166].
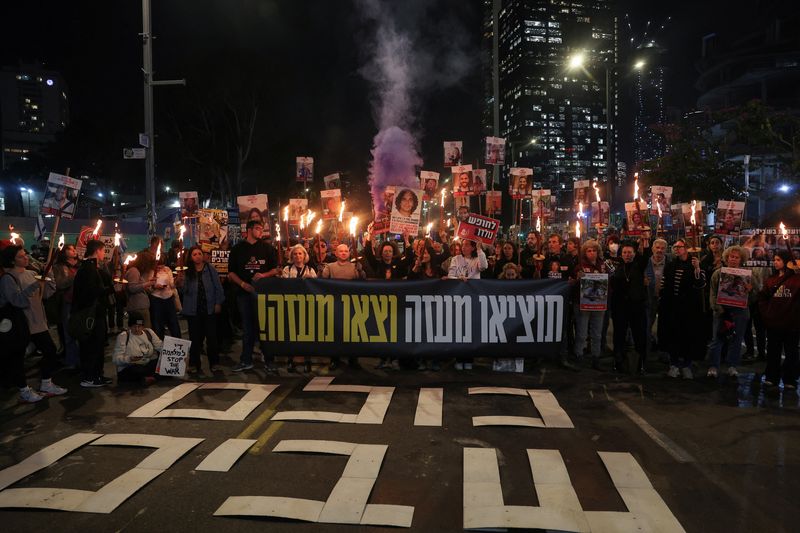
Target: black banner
[438,318]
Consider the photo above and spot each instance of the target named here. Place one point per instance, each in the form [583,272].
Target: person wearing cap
[779,303]
[136,352]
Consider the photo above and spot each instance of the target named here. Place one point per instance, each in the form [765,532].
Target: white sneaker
[48,388]
[712,372]
[467,366]
[674,372]
[459,366]
[28,395]
[687,373]
[732,372]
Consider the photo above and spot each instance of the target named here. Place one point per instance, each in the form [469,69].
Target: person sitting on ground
[136,352]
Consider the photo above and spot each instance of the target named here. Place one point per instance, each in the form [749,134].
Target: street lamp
[166,188]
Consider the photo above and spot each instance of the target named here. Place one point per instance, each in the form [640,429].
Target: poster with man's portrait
[700,219]
[478,181]
[333,181]
[729,217]
[304,168]
[494,202]
[636,218]
[542,204]
[331,203]
[254,207]
[495,151]
[601,214]
[189,204]
[521,183]
[661,197]
[406,211]
[297,208]
[462,180]
[580,195]
[60,196]
[429,183]
[384,210]
[452,153]
[212,229]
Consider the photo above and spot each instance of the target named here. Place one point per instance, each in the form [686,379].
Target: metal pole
[150,188]
[610,174]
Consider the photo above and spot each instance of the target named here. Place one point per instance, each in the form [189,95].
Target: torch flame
[784,233]
[693,220]
[182,232]
[129,259]
[277,232]
[14,237]
[96,231]
[302,221]
[444,191]
[449,222]
[578,229]
[428,229]
[61,242]
[636,187]
[319,227]
[353,225]
[286,214]
[309,217]
[158,252]
[580,209]
[341,211]
[539,223]
[660,213]
[596,191]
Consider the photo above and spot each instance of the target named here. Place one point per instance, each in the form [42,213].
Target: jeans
[247,302]
[778,341]
[740,318]
[588,323]
[164,315]
[760,332]
[72,353]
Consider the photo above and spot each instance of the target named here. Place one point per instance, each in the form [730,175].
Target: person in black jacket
[682,310]
[390,264]
[93,286]
[628,297]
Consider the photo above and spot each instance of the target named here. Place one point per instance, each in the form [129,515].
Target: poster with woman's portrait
[331,203]
[212,229]
[495,151]
[542,204]
[297,208]
[452,153]
[636,218]
[462,180]
[60,196]
[699,216]
[661,197]
[729,217]
[478,181]
[253,207]
[189,204]
[494,203]
[581,191]
[304,168]
[601,214]
[429,182]
[521,183]
[406,211]
[333,181]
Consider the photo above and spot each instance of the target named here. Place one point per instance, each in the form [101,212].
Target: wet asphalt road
[722,455]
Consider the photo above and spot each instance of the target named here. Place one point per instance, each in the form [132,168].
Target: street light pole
[149,130]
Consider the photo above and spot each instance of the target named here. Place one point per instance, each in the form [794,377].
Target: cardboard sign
[478,228]
[732,290]
[174,354]
[594,292]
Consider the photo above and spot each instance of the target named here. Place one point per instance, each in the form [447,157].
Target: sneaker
[48,388]
[712,372]
[241,367]
[382,364]
[732,372]
[467,366]
[459,366]
[686,372]
[28,395]
[270,367]
[107,381]
[93,383]
[421,366]
[215,368]
[674,372]
[395,364]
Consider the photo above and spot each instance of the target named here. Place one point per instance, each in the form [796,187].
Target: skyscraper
[554,79]
[649,104]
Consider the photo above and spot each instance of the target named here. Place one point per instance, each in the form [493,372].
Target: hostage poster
[429,183]
[452,153]
[406,211]
[304,168]
[594,292]
[728,219]
[462,181]
[733,287]
[331,203]
[60,196]
[521,183]
[495,151]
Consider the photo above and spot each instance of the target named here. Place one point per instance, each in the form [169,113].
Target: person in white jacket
[468,265]
[299,267]
[136,352]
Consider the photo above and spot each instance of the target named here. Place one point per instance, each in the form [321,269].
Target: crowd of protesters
[661,300]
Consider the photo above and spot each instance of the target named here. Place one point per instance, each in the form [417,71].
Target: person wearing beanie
[779,304]
[136,352]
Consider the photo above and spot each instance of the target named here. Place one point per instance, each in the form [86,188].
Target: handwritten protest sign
[478,228]
[174,354]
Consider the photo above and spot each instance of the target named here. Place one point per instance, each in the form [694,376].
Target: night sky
[304,61]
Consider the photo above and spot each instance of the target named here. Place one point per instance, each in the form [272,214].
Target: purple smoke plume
[394,162]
